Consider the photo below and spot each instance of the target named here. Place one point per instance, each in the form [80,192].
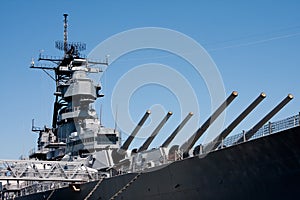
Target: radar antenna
[72,48]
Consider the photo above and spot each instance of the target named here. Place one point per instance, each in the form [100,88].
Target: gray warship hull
[263,168]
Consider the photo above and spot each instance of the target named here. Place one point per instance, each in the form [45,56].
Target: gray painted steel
[135,131]
[229,129]
[195,137]
[147,143]
[264,120]
[176,131]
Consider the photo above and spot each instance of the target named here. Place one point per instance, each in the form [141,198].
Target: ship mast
[68,67]
[71,51]
[65,34]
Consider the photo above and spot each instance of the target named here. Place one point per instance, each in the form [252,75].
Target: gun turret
[216,142]
[176,131]
[194,138]
[154,133]
[263,121]
[119,154]
[126,144]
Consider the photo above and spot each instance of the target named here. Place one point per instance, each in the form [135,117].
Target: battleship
[79,158]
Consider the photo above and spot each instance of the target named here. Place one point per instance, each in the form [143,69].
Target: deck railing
[270,128]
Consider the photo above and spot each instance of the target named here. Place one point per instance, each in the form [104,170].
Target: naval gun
[155,132]
[194,138]
[176,131]
[171,152]
[128,141]
[143,158]
[264,120]
[216,142]
[119,154]
[146,158]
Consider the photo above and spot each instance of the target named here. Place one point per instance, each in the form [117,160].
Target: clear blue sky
[255,45]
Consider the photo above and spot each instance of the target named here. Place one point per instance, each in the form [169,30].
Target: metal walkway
[31,170]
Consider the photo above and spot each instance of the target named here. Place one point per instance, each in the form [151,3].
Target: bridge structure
[33,170]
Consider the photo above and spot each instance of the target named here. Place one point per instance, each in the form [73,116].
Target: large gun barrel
[154,133]
[194,138]
[216,142]
[175,132]
[263,121]
[135,131]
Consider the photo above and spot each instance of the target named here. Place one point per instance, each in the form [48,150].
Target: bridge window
[107,139]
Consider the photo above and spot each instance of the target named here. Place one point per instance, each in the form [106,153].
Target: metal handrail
[267,129]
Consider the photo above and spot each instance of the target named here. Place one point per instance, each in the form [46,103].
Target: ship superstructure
[76,131]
